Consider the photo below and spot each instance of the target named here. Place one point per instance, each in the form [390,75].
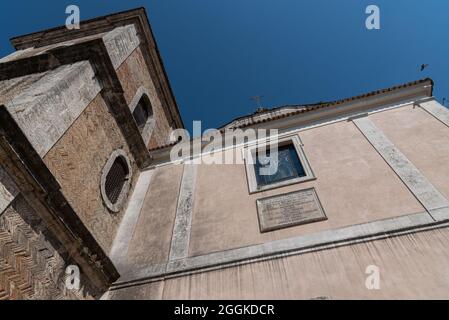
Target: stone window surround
[116,207]
[149,126]
[250,151]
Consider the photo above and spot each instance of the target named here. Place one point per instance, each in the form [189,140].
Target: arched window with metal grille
[143,112]
[116,178]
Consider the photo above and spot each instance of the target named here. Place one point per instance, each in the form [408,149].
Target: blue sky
[219,53]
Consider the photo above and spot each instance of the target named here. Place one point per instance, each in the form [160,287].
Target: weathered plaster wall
[133,74]
[150,244]
[77,161]
[411,266]
[354,184]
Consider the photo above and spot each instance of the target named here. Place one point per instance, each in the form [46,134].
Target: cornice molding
[301,119]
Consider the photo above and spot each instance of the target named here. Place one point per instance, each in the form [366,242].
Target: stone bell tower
[79,110]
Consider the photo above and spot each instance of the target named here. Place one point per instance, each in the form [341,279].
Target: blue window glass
[288,164]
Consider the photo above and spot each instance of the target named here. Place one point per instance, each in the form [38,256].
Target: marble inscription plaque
[289,209]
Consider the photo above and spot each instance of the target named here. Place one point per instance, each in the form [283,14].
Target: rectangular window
[288,167]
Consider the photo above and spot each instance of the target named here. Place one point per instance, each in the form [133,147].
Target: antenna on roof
[257,100]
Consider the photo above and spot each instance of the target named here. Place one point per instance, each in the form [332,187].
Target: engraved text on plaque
[289,209]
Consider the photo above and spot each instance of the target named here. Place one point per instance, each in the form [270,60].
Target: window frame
[121,200]
[147,131]
[147,114]
[250,153]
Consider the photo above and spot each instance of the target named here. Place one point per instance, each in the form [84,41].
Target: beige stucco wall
[133,74]
[77,161]
[411,267]
[353,183]
[422,138]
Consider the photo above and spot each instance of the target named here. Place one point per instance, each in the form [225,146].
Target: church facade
[356,208]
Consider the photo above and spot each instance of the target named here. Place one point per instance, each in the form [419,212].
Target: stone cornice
[382,96]
[96,52]
[320,114]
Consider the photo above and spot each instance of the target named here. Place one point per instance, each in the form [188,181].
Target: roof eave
[423,86]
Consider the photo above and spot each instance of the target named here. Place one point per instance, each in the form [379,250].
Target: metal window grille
[116,178]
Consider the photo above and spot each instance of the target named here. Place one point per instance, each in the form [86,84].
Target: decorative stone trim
[179,248]
[250,153]
[120,43]
[436,110]
[116,207]
[149,126]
